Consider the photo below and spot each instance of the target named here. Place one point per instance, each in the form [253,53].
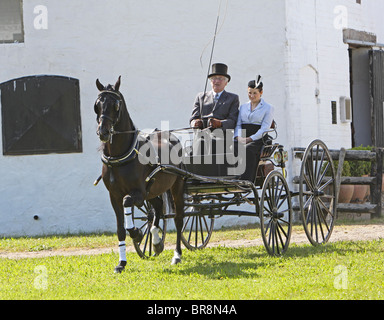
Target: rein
[173,130]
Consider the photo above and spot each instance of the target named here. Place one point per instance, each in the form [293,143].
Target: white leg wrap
[176,258]
[177,255]
[155,235]
[122,253]
[128,212]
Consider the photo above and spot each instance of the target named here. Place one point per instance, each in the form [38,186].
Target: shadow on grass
[222,263]
[235,263]
[342,248]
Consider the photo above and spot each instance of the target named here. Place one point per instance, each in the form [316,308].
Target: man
[217,108]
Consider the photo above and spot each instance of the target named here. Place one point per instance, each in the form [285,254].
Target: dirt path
[340,233]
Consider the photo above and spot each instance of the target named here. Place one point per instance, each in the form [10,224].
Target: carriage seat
[216,164]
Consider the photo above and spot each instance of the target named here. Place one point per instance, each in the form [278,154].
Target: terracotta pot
[382,184]
[346,193]
[368,194]
[359,194]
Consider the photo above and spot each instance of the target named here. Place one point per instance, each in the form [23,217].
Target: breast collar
[125,158]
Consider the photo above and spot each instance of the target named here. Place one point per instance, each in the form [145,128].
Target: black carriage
[210,193]
[204,191]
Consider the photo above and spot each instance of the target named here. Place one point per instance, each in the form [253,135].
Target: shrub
[359,168]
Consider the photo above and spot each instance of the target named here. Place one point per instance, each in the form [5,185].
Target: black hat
[256,83]
[220,69]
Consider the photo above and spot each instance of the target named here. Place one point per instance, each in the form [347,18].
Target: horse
[124,175]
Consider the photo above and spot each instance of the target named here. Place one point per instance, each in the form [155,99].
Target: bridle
[103,116]
[133,149]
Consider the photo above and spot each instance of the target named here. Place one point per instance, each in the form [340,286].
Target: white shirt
[262,115]
[218,93]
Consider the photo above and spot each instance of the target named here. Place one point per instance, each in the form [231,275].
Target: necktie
[216,97]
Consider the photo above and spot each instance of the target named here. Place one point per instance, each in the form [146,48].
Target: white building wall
[317,60]
[156,47]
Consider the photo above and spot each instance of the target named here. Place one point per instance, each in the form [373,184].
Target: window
[334,113]
[40,115]
[11,21]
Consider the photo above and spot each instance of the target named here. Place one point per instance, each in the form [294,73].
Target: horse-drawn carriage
[208,191]
[268,199]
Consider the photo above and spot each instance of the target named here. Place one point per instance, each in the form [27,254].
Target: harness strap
[129,156]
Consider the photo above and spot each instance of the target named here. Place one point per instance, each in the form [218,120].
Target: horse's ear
[117,84]
[99,85]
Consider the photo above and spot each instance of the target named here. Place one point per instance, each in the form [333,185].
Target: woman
[255,117]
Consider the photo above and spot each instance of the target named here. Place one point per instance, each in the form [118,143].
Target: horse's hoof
[176,258]
[136,235]
[158,248]
[120,268]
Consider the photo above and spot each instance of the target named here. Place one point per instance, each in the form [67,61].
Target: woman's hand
[244,140]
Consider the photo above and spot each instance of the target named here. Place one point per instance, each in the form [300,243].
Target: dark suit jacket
[226,109]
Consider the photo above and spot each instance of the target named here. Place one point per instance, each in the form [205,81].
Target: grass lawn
[341,270]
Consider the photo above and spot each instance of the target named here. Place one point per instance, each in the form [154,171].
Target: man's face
[218,83]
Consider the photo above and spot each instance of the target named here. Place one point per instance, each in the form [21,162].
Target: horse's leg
[121,233]
[178,196]
[158,245]
[128,203]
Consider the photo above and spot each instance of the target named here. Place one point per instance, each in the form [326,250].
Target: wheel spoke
[201,229]
[319,218]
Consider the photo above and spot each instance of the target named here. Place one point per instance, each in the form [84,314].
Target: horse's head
[108,108]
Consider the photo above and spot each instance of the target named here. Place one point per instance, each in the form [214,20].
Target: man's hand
[214,123]
[197,124]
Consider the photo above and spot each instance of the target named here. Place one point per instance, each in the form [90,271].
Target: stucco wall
[156,47]
[317,60]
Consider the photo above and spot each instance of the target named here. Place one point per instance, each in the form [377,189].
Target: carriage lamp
[281,156]
[277,157]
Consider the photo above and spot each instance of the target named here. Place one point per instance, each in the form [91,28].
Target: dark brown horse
[124,175]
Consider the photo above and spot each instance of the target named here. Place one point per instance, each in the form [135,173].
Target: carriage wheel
[143,218]
[197,229]
[276,214]
[317,193]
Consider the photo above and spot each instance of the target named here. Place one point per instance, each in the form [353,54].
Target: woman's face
[254,94]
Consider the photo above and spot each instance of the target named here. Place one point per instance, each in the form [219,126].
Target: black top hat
[220,69]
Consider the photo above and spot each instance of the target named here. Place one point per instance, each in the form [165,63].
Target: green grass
[30,244]
[305,272]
